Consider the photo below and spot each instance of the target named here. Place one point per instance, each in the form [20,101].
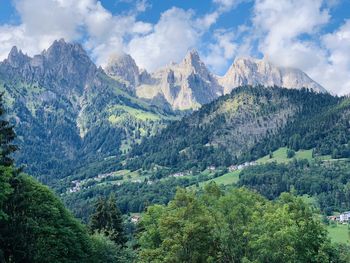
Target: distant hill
[247,124]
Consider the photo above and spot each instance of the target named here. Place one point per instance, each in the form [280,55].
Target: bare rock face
[62,68]
[248,71]
[189,84]
[123,68]
[186,85]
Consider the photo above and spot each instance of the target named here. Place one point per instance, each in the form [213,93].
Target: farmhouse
[342,218]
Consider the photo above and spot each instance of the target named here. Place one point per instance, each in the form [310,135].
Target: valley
[143,131]
[90,133]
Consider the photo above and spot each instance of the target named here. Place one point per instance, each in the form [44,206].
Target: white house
[344,217]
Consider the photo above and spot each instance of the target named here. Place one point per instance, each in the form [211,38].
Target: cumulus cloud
[226,5]
[335,73]
[288,34]
[279,25]
[170,39]
[86,21]
[222,51]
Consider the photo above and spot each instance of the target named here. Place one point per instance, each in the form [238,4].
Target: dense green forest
[36,227]
[245,125]
[249,123]
[328,181]
[228,224]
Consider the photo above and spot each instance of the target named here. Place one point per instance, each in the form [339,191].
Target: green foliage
[6,173]
[107,251]
[132,197]
[237,226]
[290,153]
[245,125]
[34,225]
[7,135]
[108,219]
[328,181]
[39,228]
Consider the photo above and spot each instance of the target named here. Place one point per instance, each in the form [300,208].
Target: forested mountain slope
[68,112]
[241,126]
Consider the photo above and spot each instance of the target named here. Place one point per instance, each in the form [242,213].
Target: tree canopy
[237,226]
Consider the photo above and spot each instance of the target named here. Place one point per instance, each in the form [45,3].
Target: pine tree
[108,220]
[99,219]
[115,222]
[7,135]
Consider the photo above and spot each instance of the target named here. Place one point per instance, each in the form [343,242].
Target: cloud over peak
[288,32]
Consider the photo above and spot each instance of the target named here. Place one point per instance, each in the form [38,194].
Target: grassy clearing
[122,111]
[339,233]
[226,179]
[280,156]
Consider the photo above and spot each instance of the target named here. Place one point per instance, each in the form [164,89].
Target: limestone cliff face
[186,85]
[189,84]
[249,71]
[123,68]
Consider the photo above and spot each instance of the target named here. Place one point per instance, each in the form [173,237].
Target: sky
[312,35]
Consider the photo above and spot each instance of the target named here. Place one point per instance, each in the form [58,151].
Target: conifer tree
[7,135]
[108,220]
[99,219]
[115,222]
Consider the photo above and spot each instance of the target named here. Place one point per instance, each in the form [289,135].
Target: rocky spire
[123,67]
[16,58]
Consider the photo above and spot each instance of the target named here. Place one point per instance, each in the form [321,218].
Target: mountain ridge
[68,111]
[190,84]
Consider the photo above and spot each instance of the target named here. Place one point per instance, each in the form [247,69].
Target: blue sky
[312,35]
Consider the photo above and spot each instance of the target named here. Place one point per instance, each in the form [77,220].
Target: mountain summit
[189,84]
[186,85]
[122,67]
[249,71]
[69,111]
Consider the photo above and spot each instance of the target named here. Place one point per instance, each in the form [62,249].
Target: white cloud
[103,33]
[170,39]
[288,34]
[226,5]
[336,72]
[286,31]
[221,52]
[87,21]
[279,25]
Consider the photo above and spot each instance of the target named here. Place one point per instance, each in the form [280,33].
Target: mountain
[249,71]
[186,85]
[189,84]
[68,112]
[244,125]
[123,68]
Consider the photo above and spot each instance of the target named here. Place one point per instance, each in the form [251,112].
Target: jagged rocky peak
[16,58]
[123,67]
[249,71]
[184,85]
[68,53]
[62,68]
[192,63]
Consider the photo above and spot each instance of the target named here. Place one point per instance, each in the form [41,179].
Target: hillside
[242,126]
[68,112]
